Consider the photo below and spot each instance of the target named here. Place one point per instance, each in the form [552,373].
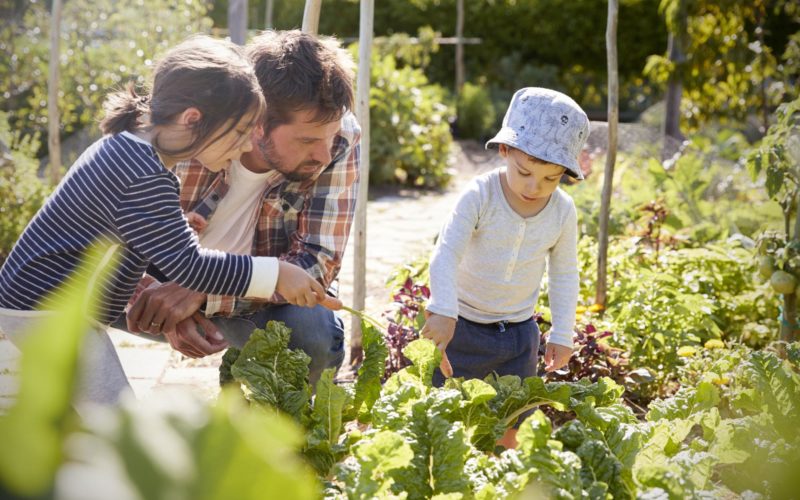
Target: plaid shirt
[306,223]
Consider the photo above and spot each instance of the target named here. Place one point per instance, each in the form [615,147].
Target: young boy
[489,260]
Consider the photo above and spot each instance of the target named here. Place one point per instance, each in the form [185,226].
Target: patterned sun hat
[545,124]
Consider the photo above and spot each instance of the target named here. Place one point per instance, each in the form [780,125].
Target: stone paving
[401,225]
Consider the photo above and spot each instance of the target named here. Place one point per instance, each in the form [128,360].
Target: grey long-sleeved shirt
[489,261]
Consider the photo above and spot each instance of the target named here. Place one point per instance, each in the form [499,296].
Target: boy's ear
[503,150]
[190,116]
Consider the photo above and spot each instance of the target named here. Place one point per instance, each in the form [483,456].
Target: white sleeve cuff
[560,338]
[264,278]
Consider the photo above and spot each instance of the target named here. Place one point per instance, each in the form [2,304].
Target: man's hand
[556,356]
[440,330]
[160,308]
[297,287]
[189,341]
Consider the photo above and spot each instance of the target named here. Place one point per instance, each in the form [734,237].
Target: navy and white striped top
[120,192]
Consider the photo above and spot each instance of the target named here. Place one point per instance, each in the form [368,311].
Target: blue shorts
[504,348]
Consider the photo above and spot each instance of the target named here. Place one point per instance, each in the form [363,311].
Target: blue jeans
[318,331]
[477,350]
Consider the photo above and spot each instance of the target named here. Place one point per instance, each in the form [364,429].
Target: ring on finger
[155,326]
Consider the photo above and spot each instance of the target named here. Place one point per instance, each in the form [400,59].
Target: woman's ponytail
[123,110]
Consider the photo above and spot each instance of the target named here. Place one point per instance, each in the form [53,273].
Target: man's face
[299,150]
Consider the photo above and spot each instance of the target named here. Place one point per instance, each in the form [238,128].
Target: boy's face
[530,179]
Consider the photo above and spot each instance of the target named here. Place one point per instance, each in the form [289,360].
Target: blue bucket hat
[545,124]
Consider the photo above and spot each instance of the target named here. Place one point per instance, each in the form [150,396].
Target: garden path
[401,225]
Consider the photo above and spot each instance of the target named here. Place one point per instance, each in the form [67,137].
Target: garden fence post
[53,119]
[611,156]
[237,21]
[311,16]
[360,230]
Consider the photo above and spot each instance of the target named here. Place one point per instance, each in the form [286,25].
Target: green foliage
[370,373]
[549,43]
[35,427]
[778,157]
[104,44]
[275,376]
[704,189]
[727,65]
[21,191]
[170,446]
[734,431]
[410,123]
[475,111]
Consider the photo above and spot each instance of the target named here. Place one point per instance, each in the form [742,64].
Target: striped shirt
[306,223]
[119,192]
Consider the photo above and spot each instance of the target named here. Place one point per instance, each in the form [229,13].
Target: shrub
[410,126]
[475,111]
[21,191]
[104,44]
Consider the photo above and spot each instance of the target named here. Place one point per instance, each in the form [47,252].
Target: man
[293,197]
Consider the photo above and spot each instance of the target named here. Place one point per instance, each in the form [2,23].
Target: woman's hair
[211,75]
[298,71]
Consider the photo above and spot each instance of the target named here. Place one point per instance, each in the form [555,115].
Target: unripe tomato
[783,282]
[766,266]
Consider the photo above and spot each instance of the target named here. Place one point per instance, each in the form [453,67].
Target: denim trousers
[477,349]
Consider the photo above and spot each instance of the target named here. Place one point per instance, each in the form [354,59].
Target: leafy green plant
[104,45]
[778,157]
[410,123]
[476,114]
[172,445]
[22,192]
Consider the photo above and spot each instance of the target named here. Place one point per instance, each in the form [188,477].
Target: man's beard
[275,162]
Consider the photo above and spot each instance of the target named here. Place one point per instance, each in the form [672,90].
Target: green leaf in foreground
[32,432]
[174,446]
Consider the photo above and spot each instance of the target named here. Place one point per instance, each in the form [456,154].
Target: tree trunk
[789,320]
[360,241]
[611,157]
[672,120]
[237,21]
[268,14]
[53,119]
[459,46]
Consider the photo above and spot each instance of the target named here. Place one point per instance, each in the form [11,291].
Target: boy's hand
[440,330]
[556,356]
[297,286]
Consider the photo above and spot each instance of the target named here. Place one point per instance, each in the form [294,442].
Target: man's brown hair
[298,71]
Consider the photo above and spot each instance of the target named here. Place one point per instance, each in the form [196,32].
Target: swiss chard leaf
[368,383]
[273,374]
[322,448]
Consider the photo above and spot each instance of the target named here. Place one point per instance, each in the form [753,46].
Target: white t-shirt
[232,226]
